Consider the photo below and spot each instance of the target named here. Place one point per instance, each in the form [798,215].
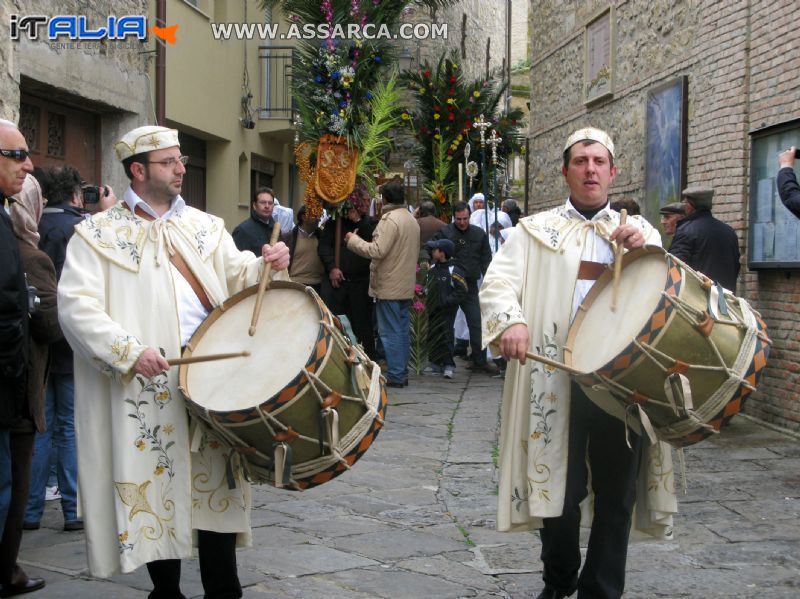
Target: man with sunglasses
[138,280]
[14,166]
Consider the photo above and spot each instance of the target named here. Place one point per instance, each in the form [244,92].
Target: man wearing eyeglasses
[138,280]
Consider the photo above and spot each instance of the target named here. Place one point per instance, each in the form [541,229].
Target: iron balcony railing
[276,100]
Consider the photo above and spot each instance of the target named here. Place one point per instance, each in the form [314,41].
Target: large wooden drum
[304,405]
[685,351]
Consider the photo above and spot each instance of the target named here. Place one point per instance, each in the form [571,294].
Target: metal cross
[482,125]
[494,141]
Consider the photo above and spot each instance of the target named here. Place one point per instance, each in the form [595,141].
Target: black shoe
[551,593]
[32,584]
[31,525]
[73,525]
[397,384]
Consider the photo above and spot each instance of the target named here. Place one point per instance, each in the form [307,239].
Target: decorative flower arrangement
[446,106]
[341,85]
[419,320]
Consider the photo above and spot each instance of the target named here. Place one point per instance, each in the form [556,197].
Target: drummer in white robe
[138,280]
[529,296]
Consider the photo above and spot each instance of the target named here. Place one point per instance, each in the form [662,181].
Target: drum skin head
[287,330]
[602,334]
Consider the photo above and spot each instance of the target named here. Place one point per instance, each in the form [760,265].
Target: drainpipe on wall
[161,64]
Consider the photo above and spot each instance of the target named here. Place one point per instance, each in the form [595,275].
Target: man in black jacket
[253,233]
[788,188]
[15,164]
[473,254]
[345,287]
[705,243]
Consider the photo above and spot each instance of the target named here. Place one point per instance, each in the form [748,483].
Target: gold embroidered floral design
[123,544]
[121,348]
[134,496]
[210,483]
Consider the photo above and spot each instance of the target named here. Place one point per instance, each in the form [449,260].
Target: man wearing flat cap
[137,281]
[552,434]
[670,215]
[705,243]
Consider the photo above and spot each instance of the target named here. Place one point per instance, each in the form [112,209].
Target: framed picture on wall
[599,61]
[773,231]
[665,145]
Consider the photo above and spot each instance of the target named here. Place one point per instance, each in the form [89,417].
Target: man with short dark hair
[473,254]
[705,243]
[394,249]
[428,223]
[138,280]
[305,266]
[558,444]
[251,234]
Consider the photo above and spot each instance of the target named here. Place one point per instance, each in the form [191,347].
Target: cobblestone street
[415,518]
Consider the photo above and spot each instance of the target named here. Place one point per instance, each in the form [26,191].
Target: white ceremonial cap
[478,196]
[145,139]
[590,133]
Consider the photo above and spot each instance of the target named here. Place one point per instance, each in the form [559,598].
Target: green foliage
[375,141]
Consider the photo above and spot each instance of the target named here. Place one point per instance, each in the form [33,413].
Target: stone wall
[108,80]
[485,20]
[742,62]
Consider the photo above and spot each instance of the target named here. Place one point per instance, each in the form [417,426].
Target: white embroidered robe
[532,280]
[142,492]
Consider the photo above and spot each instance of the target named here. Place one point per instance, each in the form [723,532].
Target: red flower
[468,125]
[437,108]
[452,91]
[453,79]
[427,73]
[451,117]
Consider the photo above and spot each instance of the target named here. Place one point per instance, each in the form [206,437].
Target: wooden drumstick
[264,282]
[545,360]
[623,216]
[207,358]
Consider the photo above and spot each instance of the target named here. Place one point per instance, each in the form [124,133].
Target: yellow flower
[405,116]
[476,94]
[436,116]
[455,66]
[123,536]
[552,397]
[159,470]
[437,136]
[168,429]
[162,396]
[536,435]
[140,444]
[451,101]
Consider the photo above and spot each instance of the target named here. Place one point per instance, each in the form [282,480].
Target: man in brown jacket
[393,250]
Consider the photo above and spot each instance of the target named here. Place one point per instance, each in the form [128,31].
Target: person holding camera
[65,209]
[788,189]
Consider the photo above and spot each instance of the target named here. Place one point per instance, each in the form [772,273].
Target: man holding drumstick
[551,430]
[138,280]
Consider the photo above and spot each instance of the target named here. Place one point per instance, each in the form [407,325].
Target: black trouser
[440,336]
[21,453]
[217,553]
[472,312]
[601,438]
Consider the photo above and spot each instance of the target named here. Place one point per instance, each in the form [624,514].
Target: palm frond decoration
[375,142]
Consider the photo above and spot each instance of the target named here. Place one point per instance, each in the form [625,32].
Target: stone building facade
[741,61]
[73,101]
